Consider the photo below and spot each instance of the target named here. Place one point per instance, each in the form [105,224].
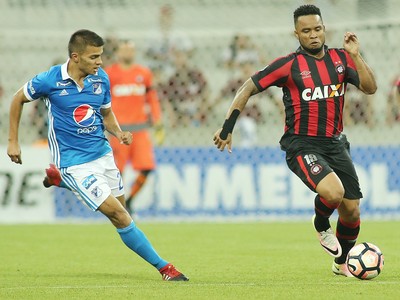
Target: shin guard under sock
[323,210]
[347,234]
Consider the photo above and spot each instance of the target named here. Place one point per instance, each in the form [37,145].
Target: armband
[229,124]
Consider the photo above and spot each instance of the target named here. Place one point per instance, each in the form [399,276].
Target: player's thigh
[112,175]
[113,209]
[94,181]
[343,166]
[310,167]
[331,188]
[88,183]
[143,157]
[121,153]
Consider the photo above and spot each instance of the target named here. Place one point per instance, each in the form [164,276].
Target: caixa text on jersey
[323,92]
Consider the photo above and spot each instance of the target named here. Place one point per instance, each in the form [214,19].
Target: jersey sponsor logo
[84,115]
[323,92]
[65,83]
[97,88]
[88,181]
[86,130]
[133,89]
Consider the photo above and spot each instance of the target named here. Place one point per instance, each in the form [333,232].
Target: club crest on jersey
[323,92]
[97,88]
[339,69]
[84,115]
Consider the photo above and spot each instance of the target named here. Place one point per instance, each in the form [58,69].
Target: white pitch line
[188,284]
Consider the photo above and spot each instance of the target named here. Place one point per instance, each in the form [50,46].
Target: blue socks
[135,239]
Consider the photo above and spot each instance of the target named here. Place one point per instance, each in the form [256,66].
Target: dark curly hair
[306,10]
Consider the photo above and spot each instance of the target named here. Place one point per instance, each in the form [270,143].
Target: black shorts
[311,159]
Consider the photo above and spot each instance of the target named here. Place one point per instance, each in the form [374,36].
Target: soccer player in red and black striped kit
[313,80]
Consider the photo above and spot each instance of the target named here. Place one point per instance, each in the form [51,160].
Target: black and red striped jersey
[313,90]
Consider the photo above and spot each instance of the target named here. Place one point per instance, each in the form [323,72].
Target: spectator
[185,93]
[162,45]
[393,105]
[252,114]
[110,47]
[358,108]
[240,50]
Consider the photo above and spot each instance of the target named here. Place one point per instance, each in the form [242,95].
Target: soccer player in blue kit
[77,95]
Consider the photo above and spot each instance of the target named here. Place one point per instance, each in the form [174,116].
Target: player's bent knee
[331,189]
[120,218]
[115,212]
[333,195]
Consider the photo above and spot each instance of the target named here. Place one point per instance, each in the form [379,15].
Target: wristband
[229,124]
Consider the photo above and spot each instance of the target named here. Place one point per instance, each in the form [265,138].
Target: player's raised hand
[14,152]
[221,143]
[125,137]
[350,43]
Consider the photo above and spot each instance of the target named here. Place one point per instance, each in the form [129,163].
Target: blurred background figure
[167,39]
[1,92]
[136,105]
[241,49]
[243,58]
[251,115]
[185,93]
[393,103]
[358,108]
[110,47]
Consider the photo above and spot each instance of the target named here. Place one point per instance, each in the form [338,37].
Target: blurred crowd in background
[200,52]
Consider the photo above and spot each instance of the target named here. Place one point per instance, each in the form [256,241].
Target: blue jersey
[76,129]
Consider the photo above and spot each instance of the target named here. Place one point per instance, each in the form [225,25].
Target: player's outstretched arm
[14,149]
[112,126]
[367,78]
[223,136]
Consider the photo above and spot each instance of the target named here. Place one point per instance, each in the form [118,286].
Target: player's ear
[74,57]
[295,34]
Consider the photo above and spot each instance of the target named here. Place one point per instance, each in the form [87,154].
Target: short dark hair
[306,10]
[81,39]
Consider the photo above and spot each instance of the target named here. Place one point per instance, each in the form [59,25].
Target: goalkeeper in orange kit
[137,108]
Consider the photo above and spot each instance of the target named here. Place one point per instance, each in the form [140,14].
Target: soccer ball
[365,261]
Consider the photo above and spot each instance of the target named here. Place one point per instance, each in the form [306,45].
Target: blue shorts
[94,181]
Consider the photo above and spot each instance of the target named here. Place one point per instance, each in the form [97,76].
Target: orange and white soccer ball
[365,261]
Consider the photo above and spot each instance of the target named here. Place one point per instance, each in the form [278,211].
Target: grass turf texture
[223,261]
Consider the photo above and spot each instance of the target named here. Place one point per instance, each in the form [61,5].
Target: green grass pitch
[223,260]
